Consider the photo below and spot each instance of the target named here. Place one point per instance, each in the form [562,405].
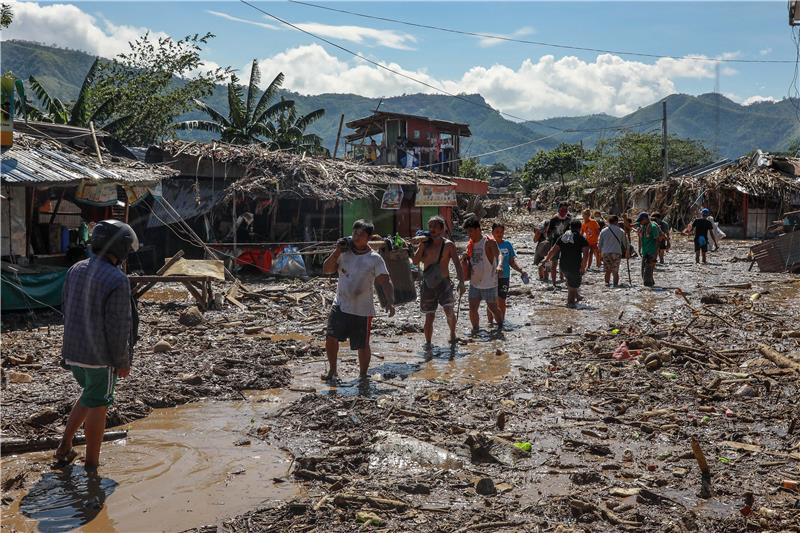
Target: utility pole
[664,149]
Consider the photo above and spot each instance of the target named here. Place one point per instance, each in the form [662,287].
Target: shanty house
[52,193]
[407,141]
[745,196]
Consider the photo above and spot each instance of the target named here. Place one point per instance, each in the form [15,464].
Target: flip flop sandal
[62,461]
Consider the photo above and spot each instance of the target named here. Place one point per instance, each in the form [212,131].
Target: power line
[539,43]
[421,82]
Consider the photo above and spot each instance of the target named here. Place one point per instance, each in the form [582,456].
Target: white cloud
[244,21]
[535,89]
[68,26]
[486,42]
[354,34]
[756,99]
[765,51]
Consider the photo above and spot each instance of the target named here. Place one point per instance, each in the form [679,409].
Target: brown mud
[428,442]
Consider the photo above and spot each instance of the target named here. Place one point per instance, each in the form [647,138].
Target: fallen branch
[778,358]
[345,500]
[13,446]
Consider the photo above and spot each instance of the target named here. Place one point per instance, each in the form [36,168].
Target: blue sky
[526,80]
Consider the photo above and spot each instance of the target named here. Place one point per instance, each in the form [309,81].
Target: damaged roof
[37,161]
[257,170]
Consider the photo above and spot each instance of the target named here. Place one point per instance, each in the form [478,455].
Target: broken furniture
[194,274]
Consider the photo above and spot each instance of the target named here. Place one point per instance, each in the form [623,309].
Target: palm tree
[247,120]
[81,112]
[288,132]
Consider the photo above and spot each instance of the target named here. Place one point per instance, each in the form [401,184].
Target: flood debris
[562,434]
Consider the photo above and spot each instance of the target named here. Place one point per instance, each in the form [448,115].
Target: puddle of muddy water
[178,468]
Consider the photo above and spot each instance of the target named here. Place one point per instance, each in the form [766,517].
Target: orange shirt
[591,230]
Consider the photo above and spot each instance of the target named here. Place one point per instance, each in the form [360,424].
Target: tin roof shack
[745,196]
[407,141]
[303,200]
[51,193]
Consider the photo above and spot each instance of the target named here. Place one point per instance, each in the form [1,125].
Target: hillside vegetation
[766,125]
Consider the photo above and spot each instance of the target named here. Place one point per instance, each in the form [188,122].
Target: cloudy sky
[526,80]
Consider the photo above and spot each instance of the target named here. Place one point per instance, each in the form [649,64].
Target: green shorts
[97,384]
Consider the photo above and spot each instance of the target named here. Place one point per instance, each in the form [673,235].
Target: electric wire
[416,80]
[539,43]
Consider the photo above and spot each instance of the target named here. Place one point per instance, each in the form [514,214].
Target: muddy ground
[428,443]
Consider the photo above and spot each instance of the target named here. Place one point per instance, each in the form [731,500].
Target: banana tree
[92,104]
[288,132]
[248,117]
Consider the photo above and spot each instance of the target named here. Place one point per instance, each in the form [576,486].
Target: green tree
[563,160]
[155,82]
[472,169]
[92,105]
[638,158]
[248,120]
[288,131]
[6,16]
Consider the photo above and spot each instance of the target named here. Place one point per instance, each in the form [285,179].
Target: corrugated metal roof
[42,163]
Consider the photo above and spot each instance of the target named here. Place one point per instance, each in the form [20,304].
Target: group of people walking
[100,322]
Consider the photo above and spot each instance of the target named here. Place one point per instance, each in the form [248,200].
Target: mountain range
[729,128]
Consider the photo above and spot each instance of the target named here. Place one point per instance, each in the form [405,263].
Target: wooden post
[96,145]
[58,204]
[338,135]
[273,218]
[29,207]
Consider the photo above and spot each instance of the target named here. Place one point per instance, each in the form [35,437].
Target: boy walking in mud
[100,327]
[703,229]
[436,253]
[350,318]
[508,261]
[482,265]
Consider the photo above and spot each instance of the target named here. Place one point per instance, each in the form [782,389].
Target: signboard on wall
[435,195]
[393,197]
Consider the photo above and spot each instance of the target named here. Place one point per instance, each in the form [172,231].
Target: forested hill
[712,118]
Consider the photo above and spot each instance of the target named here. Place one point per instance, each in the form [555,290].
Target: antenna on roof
[379,104]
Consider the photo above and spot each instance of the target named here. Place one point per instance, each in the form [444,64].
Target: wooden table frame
[198,286]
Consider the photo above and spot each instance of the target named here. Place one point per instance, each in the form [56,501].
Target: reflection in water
[66,499]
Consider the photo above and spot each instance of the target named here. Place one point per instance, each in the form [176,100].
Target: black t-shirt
[701,228]
[572,253]
[557,227]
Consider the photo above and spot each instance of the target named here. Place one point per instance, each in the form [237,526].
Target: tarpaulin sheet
[32,290]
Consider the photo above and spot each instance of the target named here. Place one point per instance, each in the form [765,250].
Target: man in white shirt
[359,269]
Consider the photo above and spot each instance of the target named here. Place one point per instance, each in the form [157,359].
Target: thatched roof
[758,176]
[262,172]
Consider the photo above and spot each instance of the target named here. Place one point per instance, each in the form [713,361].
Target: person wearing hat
[703,229]
[100,329]
[650,236]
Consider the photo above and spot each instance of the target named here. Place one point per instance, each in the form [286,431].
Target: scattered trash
[523,446]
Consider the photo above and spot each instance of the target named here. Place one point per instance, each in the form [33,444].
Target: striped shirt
[97,315]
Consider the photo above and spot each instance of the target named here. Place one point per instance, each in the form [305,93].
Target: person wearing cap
[703,228]
[649,238]
[100,329]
